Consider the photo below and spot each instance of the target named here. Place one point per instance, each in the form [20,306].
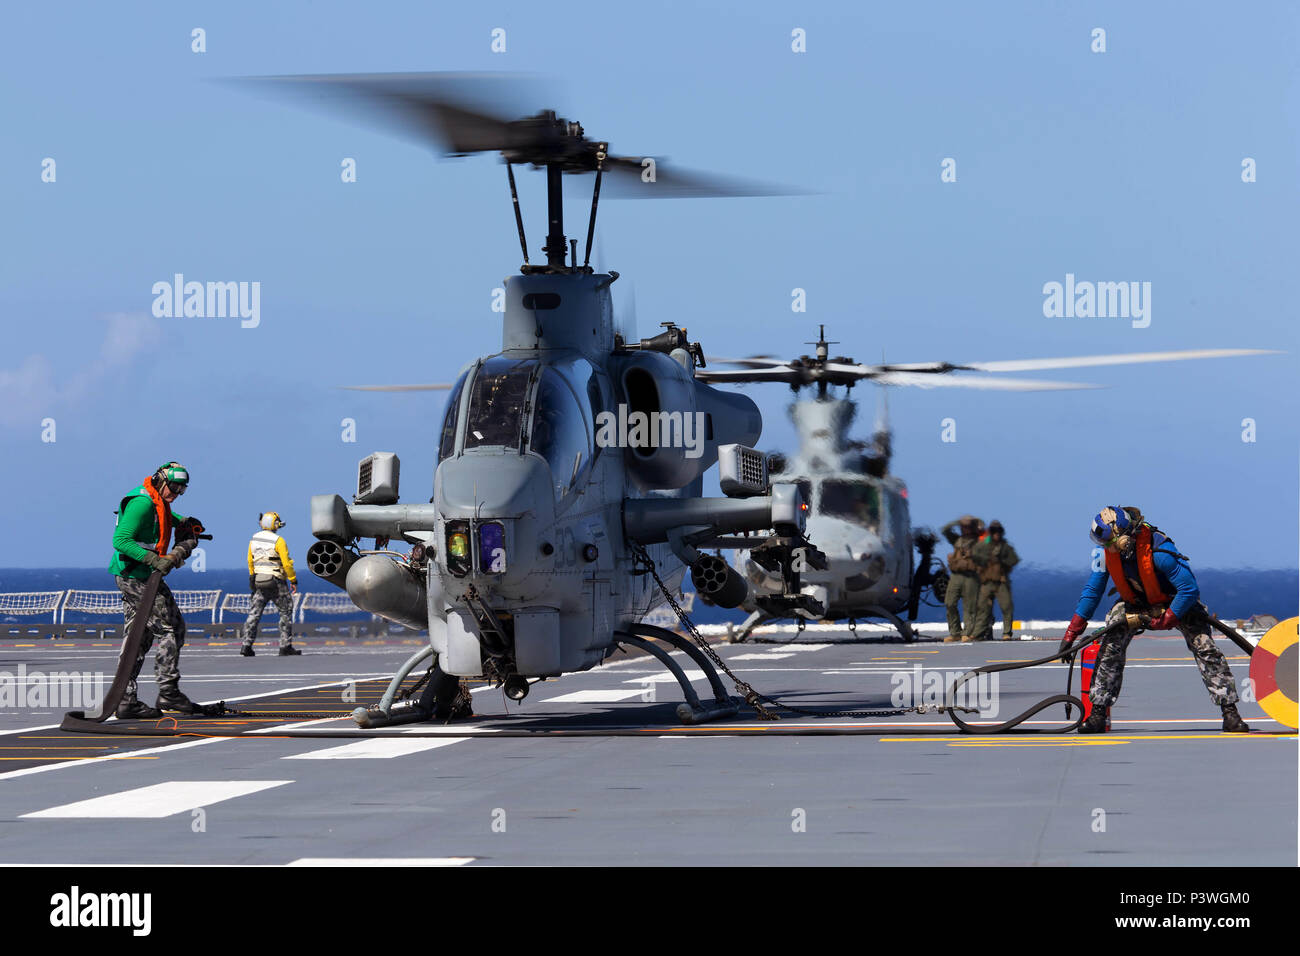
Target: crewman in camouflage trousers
[963,583]
[166,629]
[145,525]
[995,557]
[270,578]
[1155,581]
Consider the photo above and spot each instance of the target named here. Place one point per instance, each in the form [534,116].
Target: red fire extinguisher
[1087,660]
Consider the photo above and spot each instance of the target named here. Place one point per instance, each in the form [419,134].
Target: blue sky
[1115,166]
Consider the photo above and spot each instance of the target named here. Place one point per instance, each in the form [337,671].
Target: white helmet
[271,521]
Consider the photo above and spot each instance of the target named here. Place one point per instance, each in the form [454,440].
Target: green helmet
[173,472]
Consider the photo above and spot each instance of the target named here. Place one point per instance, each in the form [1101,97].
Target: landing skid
[735,636]
[738,635]
[692,711]
[904,629]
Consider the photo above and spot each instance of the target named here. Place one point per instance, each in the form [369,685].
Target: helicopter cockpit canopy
[496,403]
[524,406]
[855,501]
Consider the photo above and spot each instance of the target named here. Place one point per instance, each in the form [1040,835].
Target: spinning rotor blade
[783,373]
[437,387]
[457,112]
[1131,358]
[462,113]
[754,361]
[1035,365]
[965,381]
[670,182]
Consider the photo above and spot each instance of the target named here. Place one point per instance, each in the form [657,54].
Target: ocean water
[1040,593]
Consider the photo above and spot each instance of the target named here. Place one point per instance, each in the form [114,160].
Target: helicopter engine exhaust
[328,560]
[718,582]
[387,587]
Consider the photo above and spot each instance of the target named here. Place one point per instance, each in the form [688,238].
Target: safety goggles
[176,488]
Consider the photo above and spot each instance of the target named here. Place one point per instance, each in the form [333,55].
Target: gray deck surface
[908,791]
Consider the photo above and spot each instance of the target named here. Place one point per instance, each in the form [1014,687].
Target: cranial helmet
[172,473]
[1116,526]
[271,521]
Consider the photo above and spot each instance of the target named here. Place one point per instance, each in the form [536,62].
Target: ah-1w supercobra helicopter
[859,515]
[541,551]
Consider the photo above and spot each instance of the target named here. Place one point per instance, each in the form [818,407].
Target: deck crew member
[1153,579]
[963,584]
[271,578]
[995,558]
[141,538]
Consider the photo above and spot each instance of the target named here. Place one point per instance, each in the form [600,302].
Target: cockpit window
[854,501]
[496,403]
[560,434]
[447,444]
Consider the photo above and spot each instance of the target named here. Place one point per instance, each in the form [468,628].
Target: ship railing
[33,603]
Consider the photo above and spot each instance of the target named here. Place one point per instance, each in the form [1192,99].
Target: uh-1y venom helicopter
[532,557]
[858,514]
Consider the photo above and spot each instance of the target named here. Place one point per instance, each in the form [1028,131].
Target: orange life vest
[1146,572]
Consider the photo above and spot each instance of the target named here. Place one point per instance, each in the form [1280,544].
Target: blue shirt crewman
[1154,580]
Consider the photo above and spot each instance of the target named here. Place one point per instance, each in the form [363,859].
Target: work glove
[159,562]
[1165,622]
[1077,625]
[189,530]
[180,553]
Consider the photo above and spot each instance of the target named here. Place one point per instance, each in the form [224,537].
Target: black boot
[1232,722]
[1096,722]
[171,698]
[247,651]
[289,651]
[137,710]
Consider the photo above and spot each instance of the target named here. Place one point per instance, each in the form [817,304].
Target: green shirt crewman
[141,541]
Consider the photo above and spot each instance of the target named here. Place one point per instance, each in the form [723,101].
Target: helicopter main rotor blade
[921,380]
[1131,358]
[753,361]
[458,113]
[633,180]
[462,113]
[435,387]
[1035,365]
[784,373]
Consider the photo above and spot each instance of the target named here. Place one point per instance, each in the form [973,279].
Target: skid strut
[692,711]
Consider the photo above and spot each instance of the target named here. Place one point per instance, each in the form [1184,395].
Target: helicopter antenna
[519,216]
[601,150]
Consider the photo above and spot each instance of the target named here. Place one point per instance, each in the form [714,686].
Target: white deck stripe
[378,748]
[758,657]
[663,677]
[159,800]
[594,697]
